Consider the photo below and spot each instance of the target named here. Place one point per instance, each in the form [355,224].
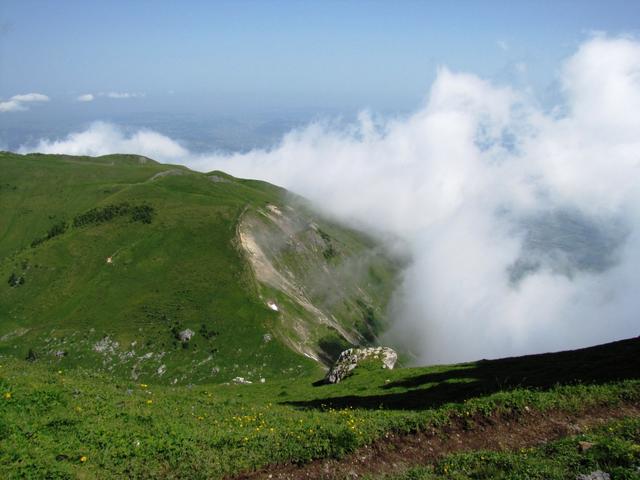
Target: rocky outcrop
[241,381]
[186,335]
[351,358]
[106,346]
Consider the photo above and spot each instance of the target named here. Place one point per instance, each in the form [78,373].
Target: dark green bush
[96,216]
[57,229]
[142,213]
[102,214]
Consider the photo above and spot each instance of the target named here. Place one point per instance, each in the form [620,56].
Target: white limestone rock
[349,360]
[241,381]
[186,335]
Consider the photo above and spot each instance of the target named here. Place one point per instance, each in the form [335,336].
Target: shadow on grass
[594,365]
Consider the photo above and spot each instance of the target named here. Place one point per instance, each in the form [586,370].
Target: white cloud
[89,97]
[121,95]
[103,138]
[18,102]
[11,106]
[524,226]
[30,97]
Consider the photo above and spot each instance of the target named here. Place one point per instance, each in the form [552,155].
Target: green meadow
[82,424]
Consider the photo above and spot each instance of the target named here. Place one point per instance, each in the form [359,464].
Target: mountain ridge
[108,259]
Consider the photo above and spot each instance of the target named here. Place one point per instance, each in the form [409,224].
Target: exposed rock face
[349,359]
[321,294]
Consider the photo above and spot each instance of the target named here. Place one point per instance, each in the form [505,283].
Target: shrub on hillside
[206,333]
[15,280]
[101,214]
[57,229]
[96,216]
[142,213]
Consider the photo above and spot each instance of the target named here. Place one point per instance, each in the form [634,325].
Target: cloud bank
[523,223]
[87,97]
[102,138]
[21,102]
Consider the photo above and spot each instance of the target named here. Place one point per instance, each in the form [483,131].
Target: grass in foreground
[70,424]
[614,449]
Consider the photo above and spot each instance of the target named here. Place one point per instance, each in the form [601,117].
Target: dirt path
[397,453]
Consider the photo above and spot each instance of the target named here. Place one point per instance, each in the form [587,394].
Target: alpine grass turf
[81,424]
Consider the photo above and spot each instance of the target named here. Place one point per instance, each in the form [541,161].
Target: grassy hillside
[83,424]
[106,261]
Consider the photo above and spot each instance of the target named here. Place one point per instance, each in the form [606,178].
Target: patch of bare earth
[396,453]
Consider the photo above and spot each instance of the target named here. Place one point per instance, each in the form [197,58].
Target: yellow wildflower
[149,402]
[7,395]
[83,459]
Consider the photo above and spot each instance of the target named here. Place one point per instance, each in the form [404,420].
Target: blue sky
[279,58]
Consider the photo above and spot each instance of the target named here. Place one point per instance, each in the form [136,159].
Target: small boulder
[186,335]
[351,358]
[241,381]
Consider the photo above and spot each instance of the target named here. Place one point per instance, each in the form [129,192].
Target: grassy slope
[49,419]
[183,270]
